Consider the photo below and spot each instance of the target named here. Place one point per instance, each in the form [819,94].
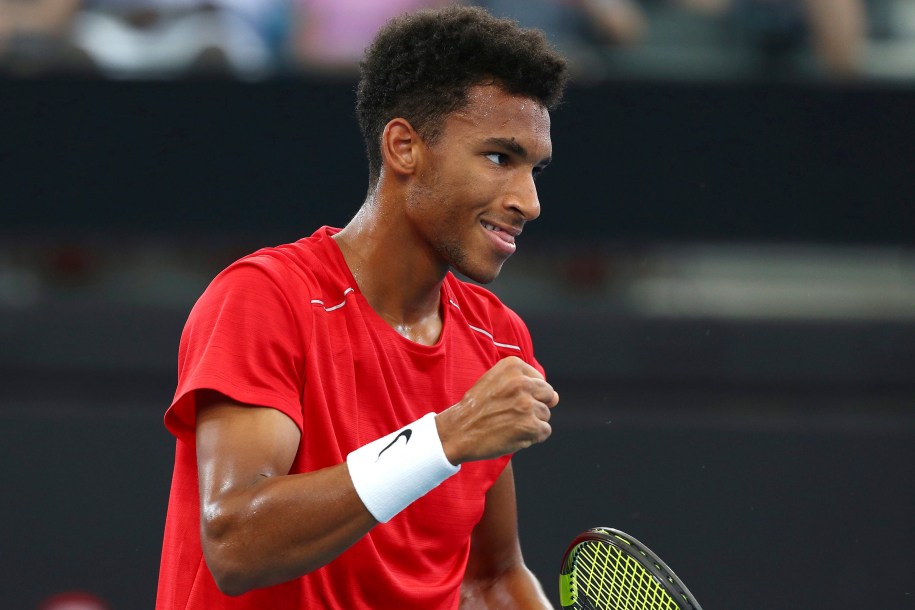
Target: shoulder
[301,267]
[274,286]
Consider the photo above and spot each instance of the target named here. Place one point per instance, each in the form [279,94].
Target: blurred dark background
[721,285]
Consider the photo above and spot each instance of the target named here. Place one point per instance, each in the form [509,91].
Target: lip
[512,230]
[503,238]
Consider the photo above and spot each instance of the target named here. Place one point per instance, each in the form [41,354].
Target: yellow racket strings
[613,580]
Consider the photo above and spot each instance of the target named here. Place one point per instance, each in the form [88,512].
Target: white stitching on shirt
[472,327]
[496,343]
[337,306]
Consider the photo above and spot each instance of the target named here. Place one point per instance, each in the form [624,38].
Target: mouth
[503,236]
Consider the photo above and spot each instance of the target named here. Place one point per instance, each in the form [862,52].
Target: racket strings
[612,580]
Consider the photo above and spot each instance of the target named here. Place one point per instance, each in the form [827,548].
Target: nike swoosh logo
[405,434]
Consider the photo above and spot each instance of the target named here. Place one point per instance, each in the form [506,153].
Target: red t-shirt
[287,328]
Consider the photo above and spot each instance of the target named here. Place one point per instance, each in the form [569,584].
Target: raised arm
[259,525]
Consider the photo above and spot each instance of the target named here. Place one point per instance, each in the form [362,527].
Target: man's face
[477,189]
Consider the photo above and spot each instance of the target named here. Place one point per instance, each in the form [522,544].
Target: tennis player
[346,407]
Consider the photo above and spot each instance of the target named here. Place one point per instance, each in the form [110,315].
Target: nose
[523,197]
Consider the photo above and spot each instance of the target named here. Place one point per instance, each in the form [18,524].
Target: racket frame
[630,546]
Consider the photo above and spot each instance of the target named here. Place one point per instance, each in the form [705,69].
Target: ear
[400,147]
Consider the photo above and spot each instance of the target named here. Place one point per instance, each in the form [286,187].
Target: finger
[530,371]
[542,391]
[526,369]
[542,412]
[544,432]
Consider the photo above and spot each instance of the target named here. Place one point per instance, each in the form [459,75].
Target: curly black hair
[421,65]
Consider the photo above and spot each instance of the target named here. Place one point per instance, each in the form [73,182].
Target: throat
[424,332]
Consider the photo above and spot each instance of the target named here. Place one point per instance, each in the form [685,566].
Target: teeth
[489,227]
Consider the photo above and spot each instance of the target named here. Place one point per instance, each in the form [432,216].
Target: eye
[497,158]
[537,171]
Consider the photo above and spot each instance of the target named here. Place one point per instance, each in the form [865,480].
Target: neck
[395,273]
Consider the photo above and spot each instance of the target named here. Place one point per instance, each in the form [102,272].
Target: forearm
[516,588]
[281,527]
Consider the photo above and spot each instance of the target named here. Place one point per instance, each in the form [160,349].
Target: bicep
[239,445]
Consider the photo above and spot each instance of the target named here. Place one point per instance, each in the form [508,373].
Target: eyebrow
[512,145]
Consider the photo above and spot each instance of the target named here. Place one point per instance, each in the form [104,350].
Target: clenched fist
[507,409]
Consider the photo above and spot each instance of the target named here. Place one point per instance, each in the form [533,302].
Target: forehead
[491,112]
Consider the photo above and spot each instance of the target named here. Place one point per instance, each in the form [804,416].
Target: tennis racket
[605,569]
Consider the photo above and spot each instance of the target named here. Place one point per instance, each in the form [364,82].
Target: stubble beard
[456,256]
[444,241]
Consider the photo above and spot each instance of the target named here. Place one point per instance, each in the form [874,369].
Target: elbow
[243,554]
[227,557]
[229,581]
[228,570]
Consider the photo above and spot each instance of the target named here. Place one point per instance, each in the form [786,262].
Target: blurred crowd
[255,39]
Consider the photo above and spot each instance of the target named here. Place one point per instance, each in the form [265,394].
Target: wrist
[392,472]
[449,444]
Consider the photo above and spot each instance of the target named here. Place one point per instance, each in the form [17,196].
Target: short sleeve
[245,339]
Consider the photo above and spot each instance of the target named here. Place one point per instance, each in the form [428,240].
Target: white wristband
[393,471]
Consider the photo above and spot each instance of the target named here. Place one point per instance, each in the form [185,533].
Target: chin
[481,270]
[483,279]
[480,276]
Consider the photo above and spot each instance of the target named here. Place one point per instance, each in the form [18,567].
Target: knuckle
[547,432]
[508,362]
[517,384]
[545,413]
[527,404]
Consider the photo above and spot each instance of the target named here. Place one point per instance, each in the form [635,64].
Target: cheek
[475,192]
[452,197]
